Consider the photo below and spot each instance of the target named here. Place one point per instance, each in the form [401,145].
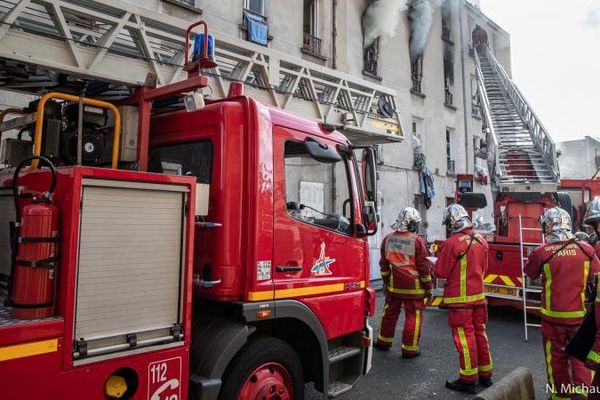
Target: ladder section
[526,286]
[523,154]
[109,47]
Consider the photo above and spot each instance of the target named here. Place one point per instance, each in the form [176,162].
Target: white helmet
[456,218]
[408,220]
[556,224]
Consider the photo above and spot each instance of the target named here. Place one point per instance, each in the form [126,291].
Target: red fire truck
[188,259]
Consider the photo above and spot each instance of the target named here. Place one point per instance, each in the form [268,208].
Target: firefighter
[406,277]
[592,219]
[593,357]
[566,267]
[462,262]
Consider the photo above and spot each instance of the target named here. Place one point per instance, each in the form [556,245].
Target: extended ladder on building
[526,287]
[521,153]
[111,47]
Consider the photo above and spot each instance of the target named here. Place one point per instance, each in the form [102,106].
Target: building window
[447,22]
[451,164]
[371,58]
[311,42]
[419,204]
[448,81]
[255,6]
[255,22]
[417,75]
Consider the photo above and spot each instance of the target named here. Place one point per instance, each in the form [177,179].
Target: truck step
[338,388]
[342,353]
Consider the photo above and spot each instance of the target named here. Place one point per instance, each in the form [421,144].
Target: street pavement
[423,378]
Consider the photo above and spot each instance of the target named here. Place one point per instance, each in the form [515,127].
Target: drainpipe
[464,88]
[334,35]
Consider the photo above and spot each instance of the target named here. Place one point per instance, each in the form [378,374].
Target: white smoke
[381,18]
[421,18]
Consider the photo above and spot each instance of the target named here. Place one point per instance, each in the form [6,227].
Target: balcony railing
[450,168]
[448,98]
[311,44]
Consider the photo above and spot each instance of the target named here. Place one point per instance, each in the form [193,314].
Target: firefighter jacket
[405,269]
[566,268]
[462,262]
[593,357]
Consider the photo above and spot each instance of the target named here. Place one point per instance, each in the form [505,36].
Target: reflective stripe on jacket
[565,269]
[463,262]
[405,269]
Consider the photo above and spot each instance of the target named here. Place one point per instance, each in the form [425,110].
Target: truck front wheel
[266,368]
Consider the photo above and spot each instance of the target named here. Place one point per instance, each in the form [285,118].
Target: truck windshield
[192,158]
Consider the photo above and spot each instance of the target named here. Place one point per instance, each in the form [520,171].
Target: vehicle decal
[298,292]
[321,266]
[164,379]
[504,280]
[28,349]
[263,270]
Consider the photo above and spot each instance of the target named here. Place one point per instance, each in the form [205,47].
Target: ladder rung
[531,244]
[535,325]
[532,229]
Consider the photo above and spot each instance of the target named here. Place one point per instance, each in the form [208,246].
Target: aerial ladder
[521,152]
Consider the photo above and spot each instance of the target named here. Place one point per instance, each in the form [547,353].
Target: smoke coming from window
[381,18]
[421,18]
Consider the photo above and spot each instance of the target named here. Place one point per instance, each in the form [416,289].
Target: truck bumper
[202,388]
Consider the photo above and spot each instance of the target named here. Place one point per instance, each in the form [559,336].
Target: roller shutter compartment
[129,281]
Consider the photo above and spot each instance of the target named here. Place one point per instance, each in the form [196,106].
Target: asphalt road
[423,378]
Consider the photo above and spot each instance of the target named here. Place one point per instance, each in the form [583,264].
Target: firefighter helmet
[456,218]
[408,220]
[592,213]
[556,224]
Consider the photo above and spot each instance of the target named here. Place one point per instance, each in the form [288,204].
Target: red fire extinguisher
[36,245]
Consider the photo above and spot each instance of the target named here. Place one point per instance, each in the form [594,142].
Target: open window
[311,41]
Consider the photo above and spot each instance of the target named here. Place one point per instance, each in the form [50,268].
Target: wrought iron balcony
[416,85]
[448,98]
[311,44]
[450,168]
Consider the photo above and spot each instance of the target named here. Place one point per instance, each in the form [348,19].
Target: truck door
[317,257]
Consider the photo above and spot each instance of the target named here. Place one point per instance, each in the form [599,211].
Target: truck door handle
[288,268]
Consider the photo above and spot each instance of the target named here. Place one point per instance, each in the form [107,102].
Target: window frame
[346,159]
[262,7]
[188,143]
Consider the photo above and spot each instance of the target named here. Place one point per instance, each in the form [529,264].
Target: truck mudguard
[215,341]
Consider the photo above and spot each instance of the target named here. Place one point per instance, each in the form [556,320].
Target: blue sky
[555,60]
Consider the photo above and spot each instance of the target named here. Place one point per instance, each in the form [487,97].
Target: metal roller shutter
[130,263]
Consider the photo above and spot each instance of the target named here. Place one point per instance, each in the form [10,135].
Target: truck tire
[266,368]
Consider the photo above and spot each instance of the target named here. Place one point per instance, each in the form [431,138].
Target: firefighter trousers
[470,339]
[566,375]
[413,323]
